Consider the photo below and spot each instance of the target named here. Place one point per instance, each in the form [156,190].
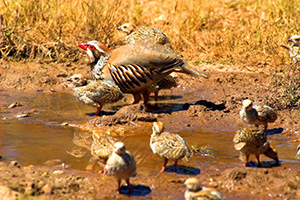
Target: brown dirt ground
[222,94]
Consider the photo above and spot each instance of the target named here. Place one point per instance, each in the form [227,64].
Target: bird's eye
[76,78]
[91,47]
[125,27]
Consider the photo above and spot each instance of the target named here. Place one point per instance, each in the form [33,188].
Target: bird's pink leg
[258,161]
[137,98]
[164,166]
[104,171]
[98,110]
[247,161]
[146,95]
[266,127]
[175,165]
[119,185]
[129,186]
[156,95]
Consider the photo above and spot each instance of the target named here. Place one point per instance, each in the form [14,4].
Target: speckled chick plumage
[102,147]
[294,49]
[144,34]
[95,93]
[121,164]
[258,115]
[194,191]
[168,145]
[253,141]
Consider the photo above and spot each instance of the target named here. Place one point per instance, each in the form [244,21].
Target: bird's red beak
[83,46]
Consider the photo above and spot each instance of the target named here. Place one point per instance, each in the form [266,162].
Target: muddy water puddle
[40,137]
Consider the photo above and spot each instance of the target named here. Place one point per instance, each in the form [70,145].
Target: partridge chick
[294,49]
[194,191]
[121,164]
[136,67]
[167,145]
[254,141]
[258,115]
[144,34]
[95,93]
[102,148]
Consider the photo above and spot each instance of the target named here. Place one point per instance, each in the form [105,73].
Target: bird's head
[192,184]
[95,50]
[119,148]
[126,28]
[295,40]
[77,80]
[158,128]
[247,104]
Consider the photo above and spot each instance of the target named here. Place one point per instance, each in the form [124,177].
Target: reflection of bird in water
[194,191]
[101,148]
[254,141]
[294,49]
[258,115]
[144,34]
[167,145]
[95,93]
[121,164]
[83,140]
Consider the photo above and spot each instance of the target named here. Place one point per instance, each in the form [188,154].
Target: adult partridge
[168,146]
[95,93]
[136,67]
[100,49]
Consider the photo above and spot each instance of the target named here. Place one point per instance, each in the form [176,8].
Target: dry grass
[234,32]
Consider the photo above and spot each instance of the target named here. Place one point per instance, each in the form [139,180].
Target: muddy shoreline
[201,104]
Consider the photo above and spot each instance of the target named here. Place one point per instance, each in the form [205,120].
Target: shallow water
[36,139]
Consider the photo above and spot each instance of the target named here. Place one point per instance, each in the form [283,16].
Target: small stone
[52,90]
[47,189]
[13,105]
[23,115]
[14,164]
[58,172]
[64,124]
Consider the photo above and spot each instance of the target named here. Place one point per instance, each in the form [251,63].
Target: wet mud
[49,133]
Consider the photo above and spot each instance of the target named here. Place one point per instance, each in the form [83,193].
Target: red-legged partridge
[136,67]
[168,146]
[253,141]
[121,164]
[144,34]
[100,49]
[102,147]
[258,115]
[194,191]
[95,93]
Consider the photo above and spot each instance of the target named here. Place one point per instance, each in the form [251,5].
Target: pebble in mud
[14,164]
